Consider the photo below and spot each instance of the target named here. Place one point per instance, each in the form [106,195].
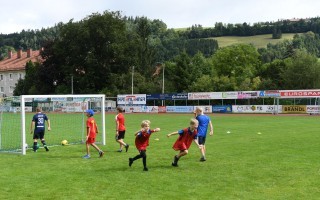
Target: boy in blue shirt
[204,122]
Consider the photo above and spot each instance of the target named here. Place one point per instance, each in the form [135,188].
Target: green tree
[240,62]
[302,72]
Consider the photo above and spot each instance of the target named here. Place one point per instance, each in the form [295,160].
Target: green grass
[259,41]
[280,163]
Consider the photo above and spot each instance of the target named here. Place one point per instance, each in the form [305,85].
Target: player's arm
[96,127]
[49,125]
[211,128]
[173,133]
[117,127]
[156,129]
[136,133]
[196,141]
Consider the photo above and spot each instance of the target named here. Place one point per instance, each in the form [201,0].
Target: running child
[183,143]
[142,142]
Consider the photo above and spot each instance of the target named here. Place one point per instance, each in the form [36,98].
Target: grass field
[259,41]
[280,163]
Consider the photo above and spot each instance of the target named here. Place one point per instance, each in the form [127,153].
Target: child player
[92,130]
[186,136]
[142,141]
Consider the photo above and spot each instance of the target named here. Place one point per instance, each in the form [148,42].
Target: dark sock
[144,161]
[137,157]
[35,145]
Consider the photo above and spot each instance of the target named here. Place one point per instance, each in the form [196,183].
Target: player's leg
[177,157]
[101,153]
[120,138]
[201,142]
[131,160]
[144,160]
[43,141]
[35,141]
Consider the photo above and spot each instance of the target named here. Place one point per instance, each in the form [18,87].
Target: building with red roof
[13,68]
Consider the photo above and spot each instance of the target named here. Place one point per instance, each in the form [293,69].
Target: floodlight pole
[71,84]
[163,66]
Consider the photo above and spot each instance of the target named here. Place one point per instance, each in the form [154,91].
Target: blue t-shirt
[203,125]
[39,120]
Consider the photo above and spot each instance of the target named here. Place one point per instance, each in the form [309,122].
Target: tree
[302,72]
[240,62]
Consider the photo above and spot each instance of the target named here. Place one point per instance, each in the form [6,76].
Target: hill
[259,41]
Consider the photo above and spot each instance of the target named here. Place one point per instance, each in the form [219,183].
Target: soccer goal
[65,112]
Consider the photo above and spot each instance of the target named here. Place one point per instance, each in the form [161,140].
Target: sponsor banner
[179,109]
[180,96]
[151,109]
[153,96]
[41,99]
[135,99]
[204,95]
[162,109]
[206,109]
[28,108]
[59,99]
[222,109]
[313,109]
[269,93]
[294,109]
[69,106]
[229,95]
[256,109]
[299,93]
[134,109]
[247,94]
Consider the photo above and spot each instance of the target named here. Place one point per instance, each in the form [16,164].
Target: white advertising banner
[132,99]
[204,95]
[313,109]
[206,109]
[256,109]
[69,106]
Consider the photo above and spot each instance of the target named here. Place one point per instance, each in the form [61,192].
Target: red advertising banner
[299,93]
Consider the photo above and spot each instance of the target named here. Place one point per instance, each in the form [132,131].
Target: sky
[36,14]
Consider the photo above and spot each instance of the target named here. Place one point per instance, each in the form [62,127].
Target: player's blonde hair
[199,109]
[194,121]
[144,123]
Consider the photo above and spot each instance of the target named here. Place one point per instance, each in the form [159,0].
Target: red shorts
[91,140]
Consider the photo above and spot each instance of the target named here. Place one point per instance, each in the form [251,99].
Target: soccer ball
[64,142]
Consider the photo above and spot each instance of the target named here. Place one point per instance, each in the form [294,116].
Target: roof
[14,63]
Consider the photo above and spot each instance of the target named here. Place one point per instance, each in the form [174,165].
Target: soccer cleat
[174,164]
[47,149]
[145,169]
[101,153]
[202,159]
[86,157]
[130,161]
[120,150]
[127,147]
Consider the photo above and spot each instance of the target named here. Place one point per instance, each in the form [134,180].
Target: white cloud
[36,14]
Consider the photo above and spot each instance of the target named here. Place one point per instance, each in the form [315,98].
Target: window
[10,76]
[1,89]
[11,89]
[20,76]
[1,77]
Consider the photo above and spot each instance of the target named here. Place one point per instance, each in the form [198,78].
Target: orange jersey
[92,125]
[120,122]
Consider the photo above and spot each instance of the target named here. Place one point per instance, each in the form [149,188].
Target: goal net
[66,114]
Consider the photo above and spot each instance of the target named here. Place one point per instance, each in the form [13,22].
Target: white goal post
[67,117]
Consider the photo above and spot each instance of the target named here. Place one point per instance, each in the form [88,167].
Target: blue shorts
[201,140]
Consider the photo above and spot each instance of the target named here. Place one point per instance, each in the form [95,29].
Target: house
[13,68]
